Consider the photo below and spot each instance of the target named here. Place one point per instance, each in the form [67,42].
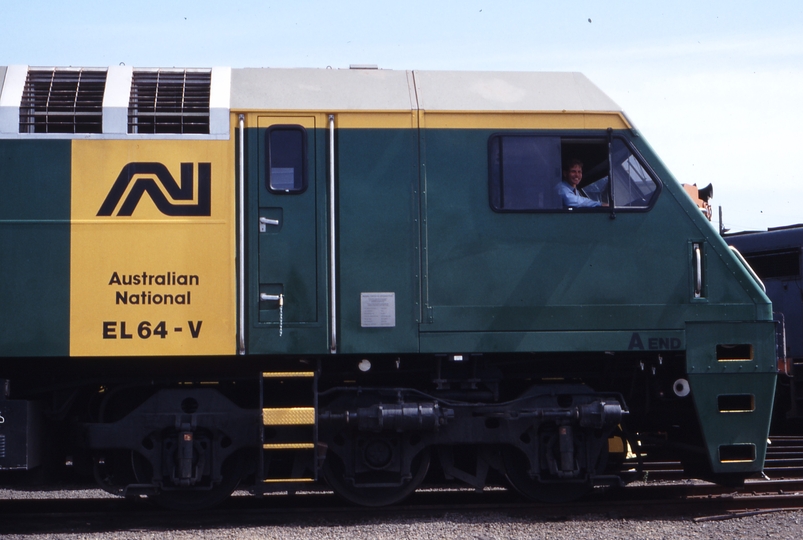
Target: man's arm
[570,199]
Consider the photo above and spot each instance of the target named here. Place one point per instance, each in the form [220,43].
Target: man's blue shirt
[570,198]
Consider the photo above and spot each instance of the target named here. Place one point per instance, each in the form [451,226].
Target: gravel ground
[476,526]
[490,526]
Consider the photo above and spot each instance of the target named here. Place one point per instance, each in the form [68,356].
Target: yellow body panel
[522,120]
[445,119]
[150,283]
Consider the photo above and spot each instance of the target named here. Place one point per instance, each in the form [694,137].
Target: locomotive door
[285,292]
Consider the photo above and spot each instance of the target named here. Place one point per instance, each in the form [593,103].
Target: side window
[287,158]
[632,185]
[526,174]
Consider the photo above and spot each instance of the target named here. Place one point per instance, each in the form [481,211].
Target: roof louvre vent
[169,101]
[63,100]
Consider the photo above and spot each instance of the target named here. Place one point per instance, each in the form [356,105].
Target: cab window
[525,174]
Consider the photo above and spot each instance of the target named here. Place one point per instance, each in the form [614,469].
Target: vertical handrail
[611,202]
[241,244]
[698,267]
[332,239]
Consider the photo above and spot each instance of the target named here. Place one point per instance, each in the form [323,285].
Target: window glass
[286,171]
[632,184]
[524,172]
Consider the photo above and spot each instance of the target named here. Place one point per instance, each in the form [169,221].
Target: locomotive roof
[111,95]
[380,89]
[375,89]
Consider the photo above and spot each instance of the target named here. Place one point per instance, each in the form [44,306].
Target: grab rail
[332,239]
[698,271]
[241,243]
[749,268]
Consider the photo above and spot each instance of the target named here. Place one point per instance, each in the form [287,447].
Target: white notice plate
[377,309]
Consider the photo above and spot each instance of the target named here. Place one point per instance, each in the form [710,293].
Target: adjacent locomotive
[775,255]
[268,277]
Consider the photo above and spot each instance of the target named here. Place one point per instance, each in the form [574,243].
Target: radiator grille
[169,101]
[63,100]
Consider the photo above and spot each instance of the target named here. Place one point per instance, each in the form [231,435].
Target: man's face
[573,175]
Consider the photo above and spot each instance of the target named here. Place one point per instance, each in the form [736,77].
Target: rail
[241,244]
[332,240]
[748,268]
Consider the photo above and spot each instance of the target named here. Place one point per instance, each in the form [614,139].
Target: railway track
[653,500]
[784,460]
[664,493]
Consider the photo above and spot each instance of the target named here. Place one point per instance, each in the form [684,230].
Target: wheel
[366,494]
[517,468]
[193,499]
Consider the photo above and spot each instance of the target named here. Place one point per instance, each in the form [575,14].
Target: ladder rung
[288,446]
[290,416]
[287,374]
[286,480]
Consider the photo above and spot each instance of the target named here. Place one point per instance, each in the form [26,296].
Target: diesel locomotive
[271,278]
[775,255]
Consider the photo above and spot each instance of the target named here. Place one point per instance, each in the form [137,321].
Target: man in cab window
[567,190]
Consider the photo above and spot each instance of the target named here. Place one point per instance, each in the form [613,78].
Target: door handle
[264,222]
[275,298]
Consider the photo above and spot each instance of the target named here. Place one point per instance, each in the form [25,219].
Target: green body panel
[466,278]
[288,259]
[552,341]
[35,248]
[378,236]
[734,428]
[710,378]
[377,240]
[487,271]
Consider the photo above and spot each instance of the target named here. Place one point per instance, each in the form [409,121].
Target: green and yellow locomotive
[271,277]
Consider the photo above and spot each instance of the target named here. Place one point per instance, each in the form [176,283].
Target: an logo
[146,183]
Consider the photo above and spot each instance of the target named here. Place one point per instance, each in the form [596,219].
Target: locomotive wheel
[334,472]
[187,500]
[517,468]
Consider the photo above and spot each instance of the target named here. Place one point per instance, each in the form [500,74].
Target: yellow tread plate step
[286,480]
[289,416]
[288,446]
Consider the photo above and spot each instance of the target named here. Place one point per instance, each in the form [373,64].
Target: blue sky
[714,86]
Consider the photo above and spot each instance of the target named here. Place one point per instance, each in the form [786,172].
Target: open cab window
[525,174]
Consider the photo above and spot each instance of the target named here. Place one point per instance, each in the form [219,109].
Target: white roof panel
[509,91]
[376,89]
[321,89]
